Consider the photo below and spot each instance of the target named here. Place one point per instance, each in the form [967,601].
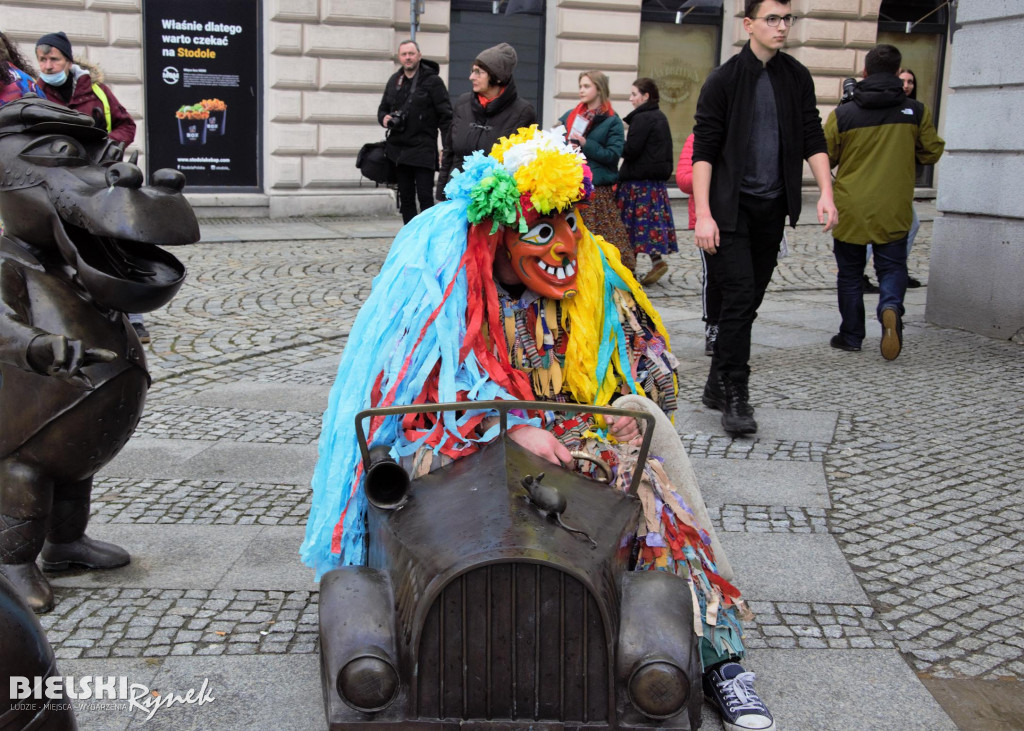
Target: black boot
[67,546]
[713,396]
[20,541]
[737,414]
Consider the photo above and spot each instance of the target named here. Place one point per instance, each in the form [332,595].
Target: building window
[679,56]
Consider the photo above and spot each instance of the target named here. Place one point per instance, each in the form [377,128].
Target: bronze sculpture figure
[79,248]
[25,654]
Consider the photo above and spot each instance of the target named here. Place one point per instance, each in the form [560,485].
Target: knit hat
[59,41]
[499,61]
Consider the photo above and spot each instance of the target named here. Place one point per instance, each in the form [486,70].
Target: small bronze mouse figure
[551,502]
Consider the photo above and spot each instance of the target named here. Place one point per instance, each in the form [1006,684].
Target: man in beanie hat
[80,87]
[480,117]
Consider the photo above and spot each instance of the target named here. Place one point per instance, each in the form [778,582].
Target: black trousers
[742,268]
[414,183]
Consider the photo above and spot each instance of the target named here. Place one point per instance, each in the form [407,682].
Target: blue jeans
[915,224]
[891,270]
[912,234]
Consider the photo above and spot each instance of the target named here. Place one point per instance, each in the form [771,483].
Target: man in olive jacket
[414,107]
[874,141]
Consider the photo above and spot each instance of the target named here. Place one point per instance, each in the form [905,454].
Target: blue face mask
[56,79]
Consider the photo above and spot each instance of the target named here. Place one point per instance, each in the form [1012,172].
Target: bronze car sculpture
[478,608]
[81,246]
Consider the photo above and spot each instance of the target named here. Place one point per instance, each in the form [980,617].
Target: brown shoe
[656,273]
[892,334]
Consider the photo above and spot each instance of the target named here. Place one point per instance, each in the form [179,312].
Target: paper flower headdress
[527,173]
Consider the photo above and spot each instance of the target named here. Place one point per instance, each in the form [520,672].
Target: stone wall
[976,274]
[325,63]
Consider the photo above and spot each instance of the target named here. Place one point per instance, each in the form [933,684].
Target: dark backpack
[373,162]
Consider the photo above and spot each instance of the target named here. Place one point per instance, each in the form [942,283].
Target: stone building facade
[324,64]
[976,274]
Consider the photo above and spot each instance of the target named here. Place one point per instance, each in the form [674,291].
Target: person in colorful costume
[15,73]
[501,292]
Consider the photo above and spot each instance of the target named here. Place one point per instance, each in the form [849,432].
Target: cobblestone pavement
[923,472]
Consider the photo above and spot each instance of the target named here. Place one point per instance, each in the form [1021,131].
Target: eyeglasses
[773,20]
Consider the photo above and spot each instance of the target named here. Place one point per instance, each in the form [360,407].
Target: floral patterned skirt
[647,215]
[602,218]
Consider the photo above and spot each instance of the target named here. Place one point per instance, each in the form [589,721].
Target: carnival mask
[544,258]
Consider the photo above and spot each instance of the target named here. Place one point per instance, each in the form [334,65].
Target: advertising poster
[202,90]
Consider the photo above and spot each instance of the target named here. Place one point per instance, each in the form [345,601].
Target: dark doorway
[918,28]
[475,26]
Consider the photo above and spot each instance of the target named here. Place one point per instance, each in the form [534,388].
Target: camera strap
[408,98]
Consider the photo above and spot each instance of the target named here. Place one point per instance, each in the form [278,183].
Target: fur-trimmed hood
[80,68]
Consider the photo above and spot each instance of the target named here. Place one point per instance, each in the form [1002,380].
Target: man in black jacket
[756,122]
[414,107]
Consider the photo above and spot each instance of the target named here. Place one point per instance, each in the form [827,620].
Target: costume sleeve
[122,126]
[814,138]
[609,153]
[711,121]
[835,147]
[684,171]
[929,145]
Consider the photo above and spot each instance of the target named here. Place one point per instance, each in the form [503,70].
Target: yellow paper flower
[523,134]
[552,180]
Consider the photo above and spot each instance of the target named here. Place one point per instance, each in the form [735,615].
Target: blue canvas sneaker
[730,689]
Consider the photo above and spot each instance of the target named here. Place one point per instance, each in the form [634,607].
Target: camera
[848,87]
[397,121]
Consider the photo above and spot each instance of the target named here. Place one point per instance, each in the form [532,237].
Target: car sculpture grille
[516,641]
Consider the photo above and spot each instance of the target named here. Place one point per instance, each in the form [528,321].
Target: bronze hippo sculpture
[80,248]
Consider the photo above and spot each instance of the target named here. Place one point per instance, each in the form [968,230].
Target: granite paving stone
[873,520]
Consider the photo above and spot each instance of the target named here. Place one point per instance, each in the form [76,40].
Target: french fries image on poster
[216,124]
[192,124]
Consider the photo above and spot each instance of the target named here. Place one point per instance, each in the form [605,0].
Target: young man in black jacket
[414,107]
[756,122]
